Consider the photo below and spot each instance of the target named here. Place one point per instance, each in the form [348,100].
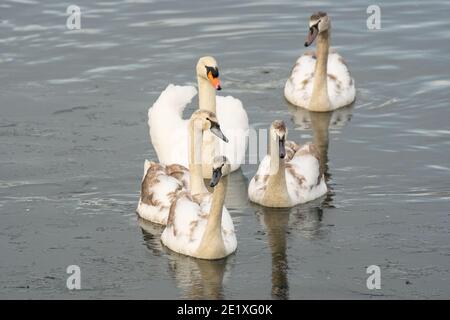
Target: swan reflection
[280,224]
[196,278]
[320,124]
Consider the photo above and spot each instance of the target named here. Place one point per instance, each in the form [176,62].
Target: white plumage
[199,225]
[185,231]
[168,129]
[160,186]
[304,181]
[341,86]
[320,81]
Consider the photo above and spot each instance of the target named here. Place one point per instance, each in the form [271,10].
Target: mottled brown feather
[264,178]
[279,125]
[310,53]
[173,208]
[193,225]
[298,177]
[317,15]
[175,168]
[291,149]
[314,151]
[146,193]
[341,60]
[304,83]
[173,195]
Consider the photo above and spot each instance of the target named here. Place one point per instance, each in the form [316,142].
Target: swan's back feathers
[341,86]
[291,148]
[306,162]
[258,184]
[304,180]
[147,165]
[187,222]
[159,189]
[180,173]
[299,86]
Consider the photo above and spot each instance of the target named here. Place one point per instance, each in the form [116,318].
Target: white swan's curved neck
[276,194]
[319,99]
[214,225]
[212,245]
[277,165]
[206,95]
[195,158]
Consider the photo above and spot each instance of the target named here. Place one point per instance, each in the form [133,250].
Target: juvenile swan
[162,183]
[320,81]
[199,225]
[168,129]
[289,175]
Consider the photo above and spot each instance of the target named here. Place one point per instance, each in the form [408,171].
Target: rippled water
[74,136]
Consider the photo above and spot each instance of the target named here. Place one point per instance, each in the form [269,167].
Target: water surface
[74,136]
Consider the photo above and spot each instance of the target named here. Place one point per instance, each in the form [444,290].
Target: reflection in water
[279,223]
[197,279]
[151,233]
[320,123]
[276,224]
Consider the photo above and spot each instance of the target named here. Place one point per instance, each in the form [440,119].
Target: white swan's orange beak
[215,82]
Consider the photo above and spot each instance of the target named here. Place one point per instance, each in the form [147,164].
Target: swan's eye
[213,70]
[214,124]
[220,168]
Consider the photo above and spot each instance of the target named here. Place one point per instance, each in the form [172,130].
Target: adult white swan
[199,225]
[162,183]
[169,129]
[320,81]
[289,175]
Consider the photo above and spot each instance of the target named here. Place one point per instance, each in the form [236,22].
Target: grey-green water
[74,136]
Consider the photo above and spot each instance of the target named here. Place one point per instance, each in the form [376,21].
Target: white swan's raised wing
[168,129]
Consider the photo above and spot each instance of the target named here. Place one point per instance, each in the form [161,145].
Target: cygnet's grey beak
[216,175]
[215,128]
